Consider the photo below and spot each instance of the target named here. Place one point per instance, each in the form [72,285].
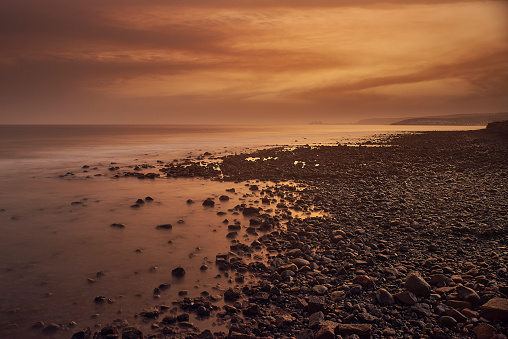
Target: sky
[249,61]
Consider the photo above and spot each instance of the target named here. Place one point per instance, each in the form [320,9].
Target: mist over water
[56,228]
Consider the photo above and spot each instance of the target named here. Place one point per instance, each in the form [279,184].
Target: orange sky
[256,61]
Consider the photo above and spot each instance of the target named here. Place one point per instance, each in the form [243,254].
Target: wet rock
[415,283]
[484,331]
[469,295]
[363,280]
[250,211]
[320,289]
[178,272]
[325,332]
[99,299]
[51,328]
[406,297]
[299,262]
[232,294]
[38,324]
[117,225]
[384,297]
[150,313]
[447,321]
[496,309]
[284,320]
[209,202]
[361,330]
[132,332]
[83,334]
[316,319]
[164,227]
[316,303]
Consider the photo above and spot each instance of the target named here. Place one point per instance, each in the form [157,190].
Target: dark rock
[384,297]
[117,225]
[223,198]
[496,309]
[484,331]
[250,210]
[406,297]
[51,328]
[164,227]
[447,321]
[132,332]
[316,303]
[415,283]
[469,295]
[232,294]
[100,299]
[209,202]
[361,330]
[325,332]
[83,334]
[178,272]
[150,313]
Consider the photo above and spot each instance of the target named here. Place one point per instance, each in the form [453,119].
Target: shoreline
[433,203]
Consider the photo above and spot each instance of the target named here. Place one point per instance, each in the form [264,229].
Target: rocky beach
[409,240]
[397,236]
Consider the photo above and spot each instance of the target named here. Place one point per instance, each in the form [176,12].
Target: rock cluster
[411,243]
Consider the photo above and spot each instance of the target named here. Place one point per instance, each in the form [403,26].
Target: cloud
[282,57]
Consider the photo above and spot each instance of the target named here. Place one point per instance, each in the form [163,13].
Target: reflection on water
[57,236]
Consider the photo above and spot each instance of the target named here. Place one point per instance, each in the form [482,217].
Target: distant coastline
[475,119]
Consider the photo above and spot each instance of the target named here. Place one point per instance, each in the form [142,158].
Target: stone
[406,297]
[305,334]
[484,331]
[461,318]
[250,211]
[415,283]
[363,280]
[496,309]
[469,295]
[178,272]
[316,319]
[316,303]
[150,313]
[132,332]
[384,297]
[361,330]
[208,202]
[299,262]
[164,227]
[51,328]
[284,320]
[223,198]
[83,334]
[325,332]
[320,289]
[117,225]
[447,321]
[232,294]
[337,296]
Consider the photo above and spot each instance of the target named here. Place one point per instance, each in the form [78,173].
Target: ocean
[58,199]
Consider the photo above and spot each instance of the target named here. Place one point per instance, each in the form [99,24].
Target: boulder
[415,283]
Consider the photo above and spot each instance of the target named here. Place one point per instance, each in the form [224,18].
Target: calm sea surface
[56,228]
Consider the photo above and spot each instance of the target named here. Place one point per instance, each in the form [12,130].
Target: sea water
[55,217]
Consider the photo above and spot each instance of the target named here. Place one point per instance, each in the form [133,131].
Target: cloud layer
[249,61]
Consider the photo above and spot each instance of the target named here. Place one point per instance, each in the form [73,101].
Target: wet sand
[401,236]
